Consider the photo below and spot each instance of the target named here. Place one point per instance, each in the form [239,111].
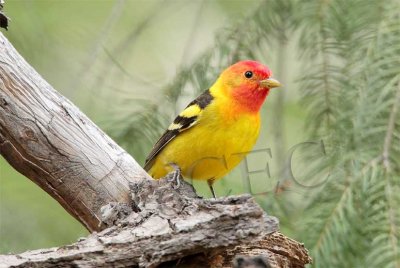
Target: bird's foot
[175,176]
[210,184]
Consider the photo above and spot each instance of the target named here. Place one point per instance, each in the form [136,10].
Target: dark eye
[248,74]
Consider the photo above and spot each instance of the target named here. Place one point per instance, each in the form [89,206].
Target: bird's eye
[248,74]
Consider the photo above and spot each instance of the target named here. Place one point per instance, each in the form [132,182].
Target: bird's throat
[250,100]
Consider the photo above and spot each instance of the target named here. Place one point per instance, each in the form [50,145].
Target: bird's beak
[270,83]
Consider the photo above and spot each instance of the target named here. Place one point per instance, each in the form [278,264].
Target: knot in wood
[28,134]
[3,102]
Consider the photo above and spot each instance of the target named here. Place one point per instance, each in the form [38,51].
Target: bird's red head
[248,83]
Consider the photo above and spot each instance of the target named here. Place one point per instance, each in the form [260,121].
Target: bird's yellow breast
[211,148]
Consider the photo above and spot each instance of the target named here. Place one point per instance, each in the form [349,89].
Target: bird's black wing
[181,123]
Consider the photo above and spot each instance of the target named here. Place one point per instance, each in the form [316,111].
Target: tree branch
[46,138]
[169,225]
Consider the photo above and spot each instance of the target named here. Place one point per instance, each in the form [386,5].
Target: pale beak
[270,83]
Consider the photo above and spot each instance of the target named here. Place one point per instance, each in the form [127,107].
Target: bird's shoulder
[184,121]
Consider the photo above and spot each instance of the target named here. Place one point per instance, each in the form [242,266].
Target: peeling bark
[166,225]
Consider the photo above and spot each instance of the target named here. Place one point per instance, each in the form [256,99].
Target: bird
[217,129]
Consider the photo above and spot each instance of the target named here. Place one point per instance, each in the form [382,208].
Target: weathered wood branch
[170,224]
[50,141]
[182,224]
[141,222]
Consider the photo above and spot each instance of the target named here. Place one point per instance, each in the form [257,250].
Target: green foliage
[350,86]
[353,95]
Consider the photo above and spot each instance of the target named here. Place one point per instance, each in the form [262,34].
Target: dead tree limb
[171,224]
[141,222]
[181,225]
[50,141]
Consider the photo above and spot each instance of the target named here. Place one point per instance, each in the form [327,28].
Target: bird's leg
[210,183]
[176,174]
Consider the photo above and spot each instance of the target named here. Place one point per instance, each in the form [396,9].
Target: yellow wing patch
[174,126]
[191,111]
[185,120]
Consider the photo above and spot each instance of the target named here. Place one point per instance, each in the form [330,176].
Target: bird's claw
[176,176]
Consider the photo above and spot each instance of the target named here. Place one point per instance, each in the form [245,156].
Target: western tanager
[216,130]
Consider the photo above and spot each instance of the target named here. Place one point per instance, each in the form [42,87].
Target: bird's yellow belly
[212,150]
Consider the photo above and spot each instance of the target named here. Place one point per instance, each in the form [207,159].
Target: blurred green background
[132,65]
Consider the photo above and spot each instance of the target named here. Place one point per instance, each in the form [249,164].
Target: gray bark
[47,139]
[170,224]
